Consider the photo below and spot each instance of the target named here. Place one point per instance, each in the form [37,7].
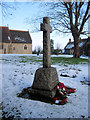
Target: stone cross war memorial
[46,78]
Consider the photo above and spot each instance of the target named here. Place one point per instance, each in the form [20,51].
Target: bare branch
[84,18]
[7,9]
[64,16]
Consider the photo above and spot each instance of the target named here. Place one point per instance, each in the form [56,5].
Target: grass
[25,59]
[64,60]
[68,60]
[54,60]
[5,59]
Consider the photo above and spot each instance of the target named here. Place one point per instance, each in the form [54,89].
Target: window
[25,47]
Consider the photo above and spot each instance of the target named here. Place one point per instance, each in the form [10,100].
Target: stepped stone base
[44,82]
[49,94]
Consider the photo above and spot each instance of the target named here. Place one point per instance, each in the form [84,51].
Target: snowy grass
[17,72]
[54,59]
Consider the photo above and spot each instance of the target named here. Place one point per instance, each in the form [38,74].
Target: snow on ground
[17,75]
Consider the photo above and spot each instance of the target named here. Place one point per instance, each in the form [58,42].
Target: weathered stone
[45,78]
[46,93]
[46,28]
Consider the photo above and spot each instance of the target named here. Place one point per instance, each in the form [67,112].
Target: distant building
[15,41]
[84,47]
[57,51]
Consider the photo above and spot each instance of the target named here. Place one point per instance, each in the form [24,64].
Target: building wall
[16,48]
[67,51]
[71,51]
[19,48]
[5,48]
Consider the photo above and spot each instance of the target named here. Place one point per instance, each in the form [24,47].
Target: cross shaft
[46,28]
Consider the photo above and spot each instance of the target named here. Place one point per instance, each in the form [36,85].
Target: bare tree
[68,17]
[7,8]
[72,18]
[34,51]
[38,50]
[57,50]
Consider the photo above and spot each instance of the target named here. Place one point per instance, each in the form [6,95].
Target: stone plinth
[42,93]
[45,78]
[44,82]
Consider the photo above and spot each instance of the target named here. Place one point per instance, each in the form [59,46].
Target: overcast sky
[27,10]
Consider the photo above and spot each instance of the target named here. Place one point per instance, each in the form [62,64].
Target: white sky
[37,39]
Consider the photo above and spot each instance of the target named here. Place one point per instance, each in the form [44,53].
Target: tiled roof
[70,45]
[20,36]
[14,36]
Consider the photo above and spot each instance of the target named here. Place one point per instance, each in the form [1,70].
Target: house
[84,47]
[15,41]
[57,51]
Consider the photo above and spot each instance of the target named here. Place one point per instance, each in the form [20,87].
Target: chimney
[69,40]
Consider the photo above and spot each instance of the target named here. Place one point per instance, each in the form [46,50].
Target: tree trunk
[76,46]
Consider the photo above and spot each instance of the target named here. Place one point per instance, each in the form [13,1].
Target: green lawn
[55,60]
[68,60]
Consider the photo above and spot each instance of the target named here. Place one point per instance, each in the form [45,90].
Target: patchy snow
[20,39]
[69,46]
[81,44]
[8,37]
[17,75]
